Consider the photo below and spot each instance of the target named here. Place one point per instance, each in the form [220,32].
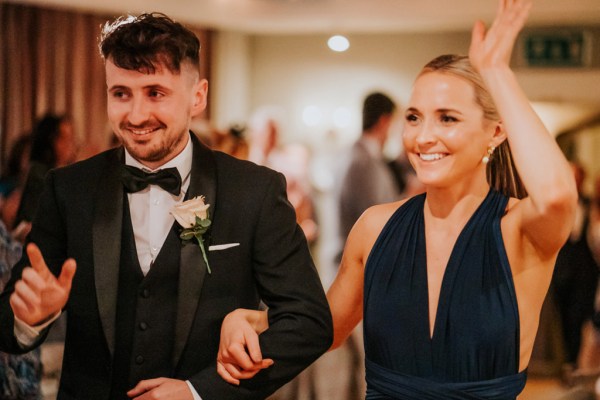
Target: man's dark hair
[147,41]
[375,106]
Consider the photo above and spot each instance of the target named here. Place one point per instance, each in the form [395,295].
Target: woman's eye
[411,118]
[447,119]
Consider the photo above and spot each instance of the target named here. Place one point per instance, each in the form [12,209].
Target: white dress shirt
[151,221]
[149,208]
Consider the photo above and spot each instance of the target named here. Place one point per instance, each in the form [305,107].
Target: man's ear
[200,97]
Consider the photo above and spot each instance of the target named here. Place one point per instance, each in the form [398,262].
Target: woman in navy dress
[451,282]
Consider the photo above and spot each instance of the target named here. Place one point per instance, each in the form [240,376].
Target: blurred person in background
[12,182]
[367,179]
[583,377]
[292,160]
[263,135]
[588,360]
[575,278]
[20,375]
[53,144]
[231,141]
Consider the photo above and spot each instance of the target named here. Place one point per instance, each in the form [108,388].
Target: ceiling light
[311,116]
[338,43]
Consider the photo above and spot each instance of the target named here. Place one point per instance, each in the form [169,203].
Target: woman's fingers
[236,354]
[493,47]
[253,346]
[223,373]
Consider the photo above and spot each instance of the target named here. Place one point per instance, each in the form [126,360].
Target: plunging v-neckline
[443,293]
[476,335]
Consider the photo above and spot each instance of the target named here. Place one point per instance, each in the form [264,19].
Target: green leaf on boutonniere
[204,223]
[187,234]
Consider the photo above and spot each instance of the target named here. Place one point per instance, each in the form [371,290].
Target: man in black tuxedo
[144,308]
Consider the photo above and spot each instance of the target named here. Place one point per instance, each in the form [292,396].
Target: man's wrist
[26,334]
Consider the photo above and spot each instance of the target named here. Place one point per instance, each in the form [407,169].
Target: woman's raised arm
[546,215]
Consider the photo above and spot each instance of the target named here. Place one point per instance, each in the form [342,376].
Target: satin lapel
[108,218]
[192,268]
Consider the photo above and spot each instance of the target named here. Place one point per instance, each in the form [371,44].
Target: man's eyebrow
[117,87]
[147,87]
[156,86]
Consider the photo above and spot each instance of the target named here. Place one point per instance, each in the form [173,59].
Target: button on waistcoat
[146,313]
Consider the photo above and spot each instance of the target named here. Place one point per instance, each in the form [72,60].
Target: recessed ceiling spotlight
[338,43]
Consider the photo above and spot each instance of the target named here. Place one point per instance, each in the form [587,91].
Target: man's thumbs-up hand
[39,295]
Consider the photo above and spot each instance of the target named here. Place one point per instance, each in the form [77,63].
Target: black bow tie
[134,179]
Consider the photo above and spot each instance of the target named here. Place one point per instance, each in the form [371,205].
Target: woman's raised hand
[493,47]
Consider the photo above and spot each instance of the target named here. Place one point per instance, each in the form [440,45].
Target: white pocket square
[217,247]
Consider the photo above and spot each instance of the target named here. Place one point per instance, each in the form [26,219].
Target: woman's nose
[425,133]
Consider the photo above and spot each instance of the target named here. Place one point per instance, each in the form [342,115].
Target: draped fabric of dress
[474,350]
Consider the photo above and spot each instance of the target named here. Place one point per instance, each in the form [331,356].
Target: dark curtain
[49,62]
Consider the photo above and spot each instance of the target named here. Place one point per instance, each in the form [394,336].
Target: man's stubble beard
[157,152]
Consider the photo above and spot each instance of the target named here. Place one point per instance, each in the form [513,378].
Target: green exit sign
[556,49]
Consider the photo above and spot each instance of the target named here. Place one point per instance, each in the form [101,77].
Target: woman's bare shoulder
[371,222]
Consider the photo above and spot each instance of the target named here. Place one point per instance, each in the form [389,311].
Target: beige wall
[296,71]
[229,90]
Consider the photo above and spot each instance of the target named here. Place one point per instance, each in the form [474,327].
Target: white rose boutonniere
[192,215]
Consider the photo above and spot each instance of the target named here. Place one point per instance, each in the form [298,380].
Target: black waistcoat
[146,313]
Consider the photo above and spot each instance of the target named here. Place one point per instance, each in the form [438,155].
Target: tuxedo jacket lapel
[192,268]
[107,228]
[107,232]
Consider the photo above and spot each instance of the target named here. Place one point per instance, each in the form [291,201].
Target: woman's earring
[486,159]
